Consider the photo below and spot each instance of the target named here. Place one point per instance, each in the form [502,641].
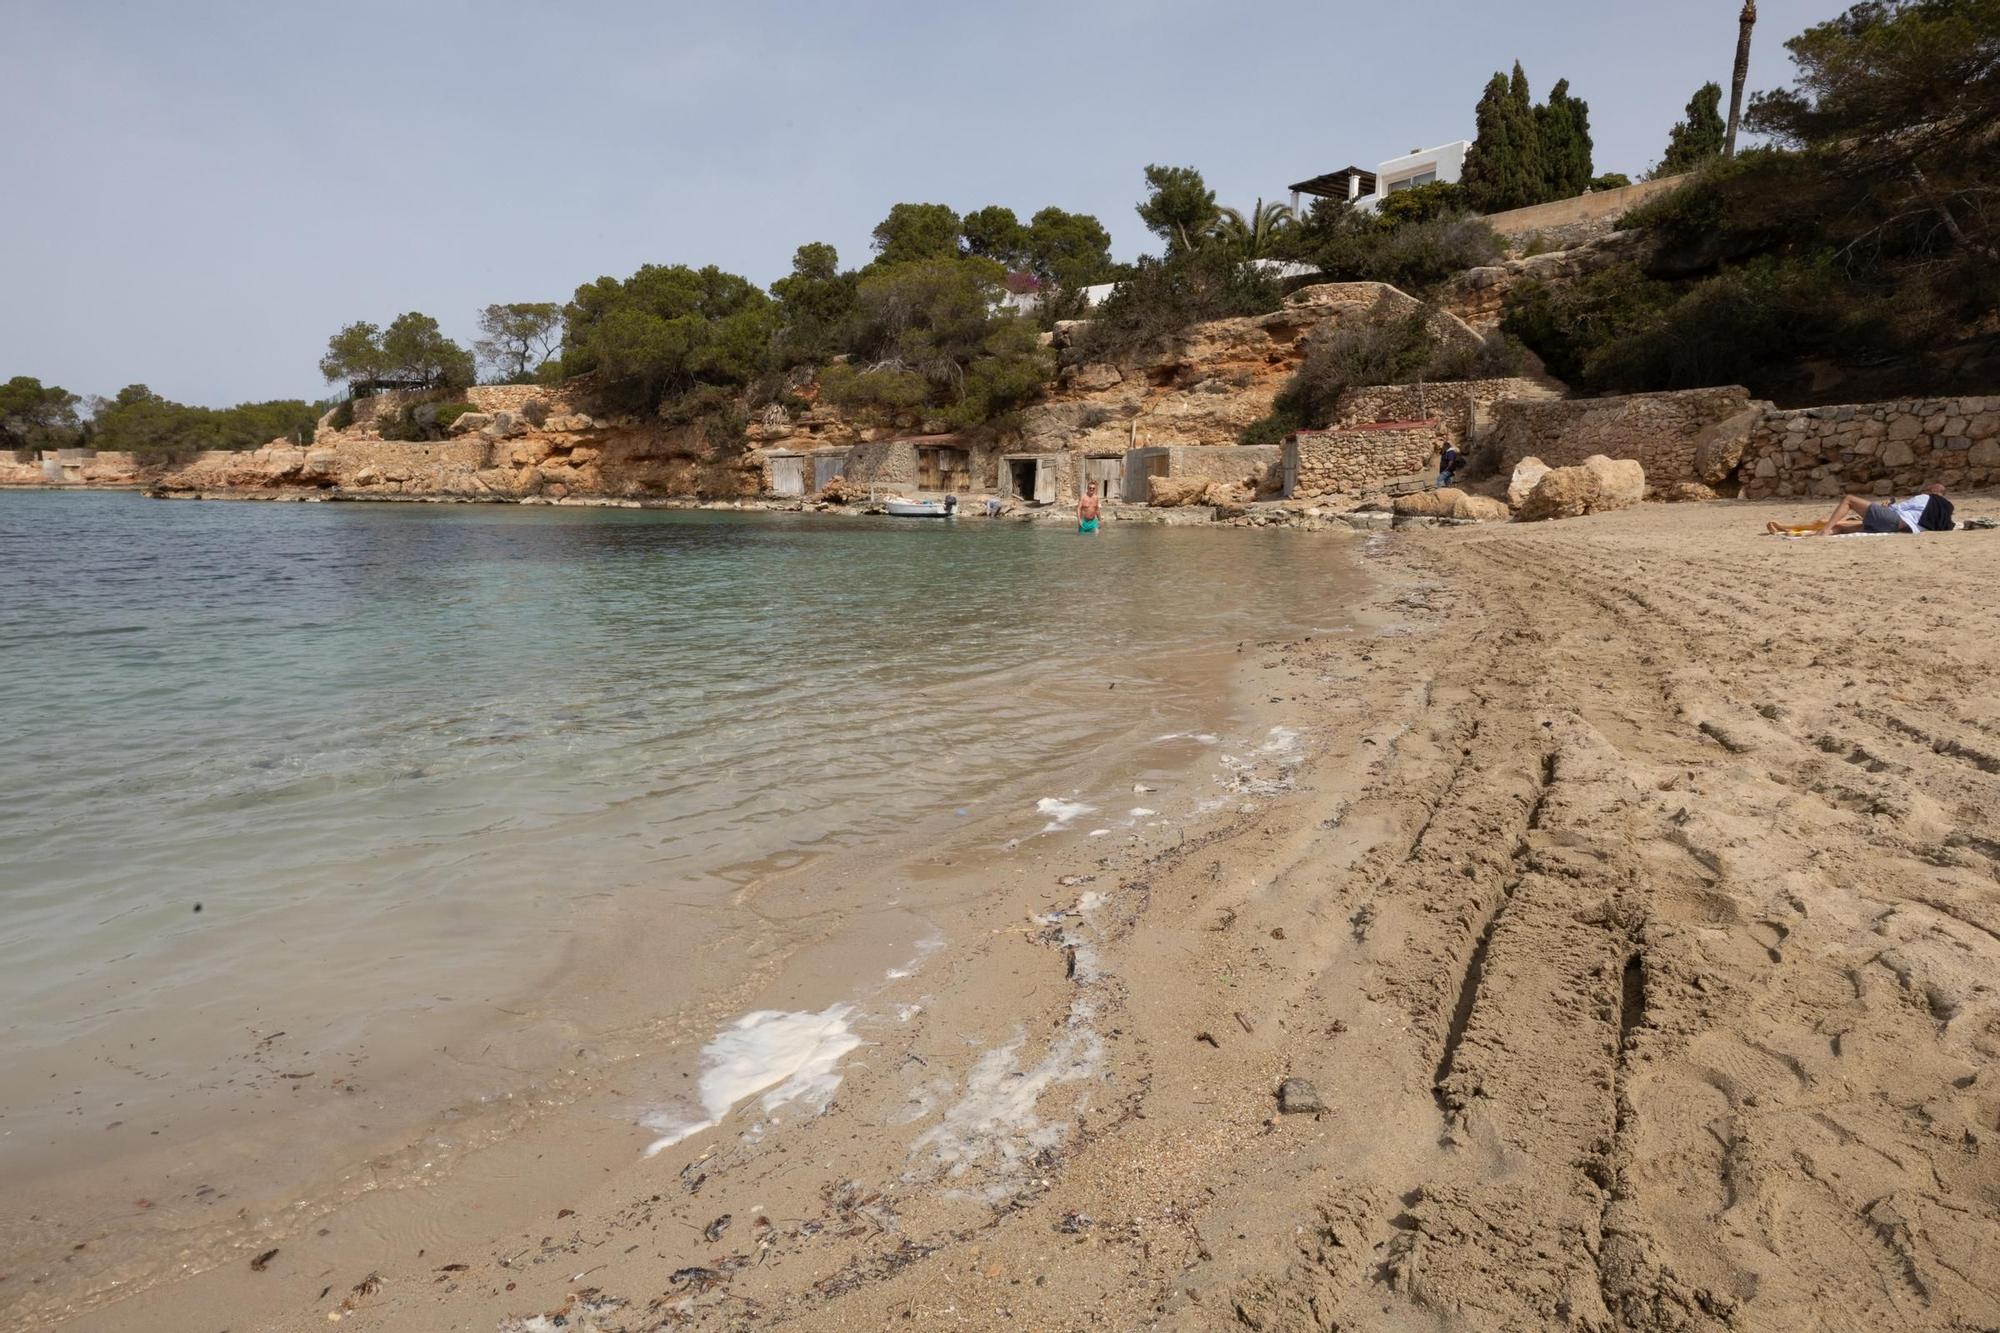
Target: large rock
[1621,482]
[468,422]
[1432,504]
[1718,451]
[1527,474]
[1173,492]
[1600,484]
[1562,492]
[1483,508]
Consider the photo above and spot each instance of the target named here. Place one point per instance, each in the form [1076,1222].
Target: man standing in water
[1087,510]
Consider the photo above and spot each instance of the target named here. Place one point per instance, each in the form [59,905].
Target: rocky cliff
[1206,387]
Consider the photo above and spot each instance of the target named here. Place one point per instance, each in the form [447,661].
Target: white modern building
[1365,189]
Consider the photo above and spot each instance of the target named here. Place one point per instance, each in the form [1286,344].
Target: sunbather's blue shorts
[1881,518]
[1086,525]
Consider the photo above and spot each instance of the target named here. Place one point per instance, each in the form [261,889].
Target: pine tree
[1523,115]
[1698,138]
[1564,132]
[1503,166]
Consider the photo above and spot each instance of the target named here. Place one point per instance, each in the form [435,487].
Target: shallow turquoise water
[390,749]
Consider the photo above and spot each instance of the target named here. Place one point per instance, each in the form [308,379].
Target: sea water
[302,797]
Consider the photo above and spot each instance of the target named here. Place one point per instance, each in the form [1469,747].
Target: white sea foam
[1141,812]
[1060,812]
[788,1057]
[1282,740]
[995,1125]
[925,948]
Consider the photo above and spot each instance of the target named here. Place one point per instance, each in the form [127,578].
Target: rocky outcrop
[1598,485]
[1479,295]
[1206,387]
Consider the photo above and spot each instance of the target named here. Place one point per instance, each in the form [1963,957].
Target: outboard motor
[950,505]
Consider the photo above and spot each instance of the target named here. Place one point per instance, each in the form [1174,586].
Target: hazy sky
[197,193]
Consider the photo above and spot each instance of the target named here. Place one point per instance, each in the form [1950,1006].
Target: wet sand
[1624,889]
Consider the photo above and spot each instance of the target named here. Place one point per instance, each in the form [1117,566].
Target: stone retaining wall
[1457,407]
[1351,460]
[1893,448]
[1566,222]
[1685,435]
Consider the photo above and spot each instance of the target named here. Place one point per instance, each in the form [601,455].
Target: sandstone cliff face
[493,453]
[1218,379]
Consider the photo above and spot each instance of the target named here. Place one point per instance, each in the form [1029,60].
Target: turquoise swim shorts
[1086,525]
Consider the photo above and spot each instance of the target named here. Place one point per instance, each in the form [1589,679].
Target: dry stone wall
[1685,435]
[1892,448]
[1456,407]
[1350,461]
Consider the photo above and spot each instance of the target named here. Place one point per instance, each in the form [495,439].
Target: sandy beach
[1621,893]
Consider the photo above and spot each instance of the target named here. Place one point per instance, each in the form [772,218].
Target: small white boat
[921,508]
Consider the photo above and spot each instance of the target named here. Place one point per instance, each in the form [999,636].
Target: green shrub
[1417,254]
[1423,203]
[343,415]
[883,393]
[1163,298]
[1386,348]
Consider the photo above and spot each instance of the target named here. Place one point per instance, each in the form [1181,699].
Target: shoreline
[596,1099]
[1304,516]
[1629,915]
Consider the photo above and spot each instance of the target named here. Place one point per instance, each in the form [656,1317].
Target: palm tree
[1255,235]
[1744,22]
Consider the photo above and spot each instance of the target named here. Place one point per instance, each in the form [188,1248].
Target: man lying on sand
[1926,511]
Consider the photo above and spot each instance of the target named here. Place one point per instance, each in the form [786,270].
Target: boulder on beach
[1440,503]
[1482,509]
[1621,482]
[1528,473]
[467,422]
[1687,491]
[1598,485]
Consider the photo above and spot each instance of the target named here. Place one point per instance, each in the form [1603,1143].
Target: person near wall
[1448,464]
[1926,511]
[1087,510]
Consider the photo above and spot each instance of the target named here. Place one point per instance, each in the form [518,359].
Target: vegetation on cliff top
[1865,242]
[1524,153]
[1390,348]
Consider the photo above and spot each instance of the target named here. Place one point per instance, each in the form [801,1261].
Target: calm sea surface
[391,750]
